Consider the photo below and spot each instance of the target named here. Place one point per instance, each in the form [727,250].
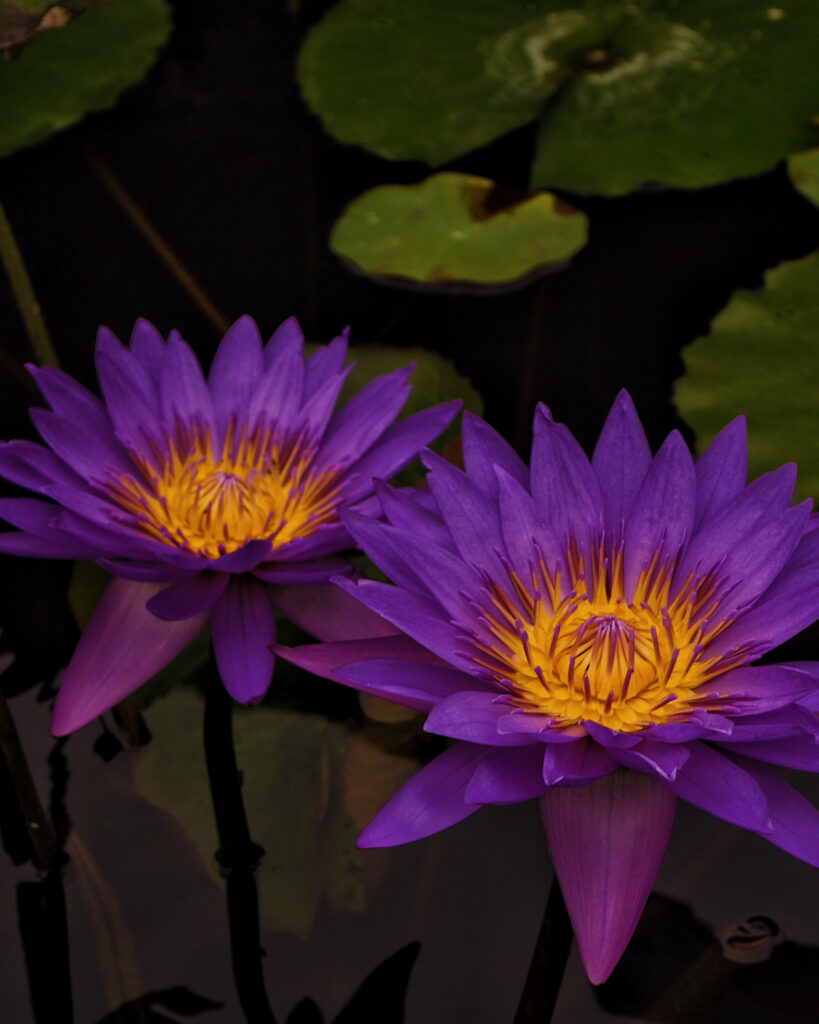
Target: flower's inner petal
[572,646]
[260,486]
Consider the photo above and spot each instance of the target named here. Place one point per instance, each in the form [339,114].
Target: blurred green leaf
[803,169]
[85,589]
[761,359]
[84,65]
[444,230]
[626,92]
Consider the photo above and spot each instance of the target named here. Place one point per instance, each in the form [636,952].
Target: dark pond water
[218,152]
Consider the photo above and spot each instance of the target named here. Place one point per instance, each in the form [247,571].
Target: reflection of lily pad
[761,359]
[443,230]
[626,91]
[63,74]
[804,171]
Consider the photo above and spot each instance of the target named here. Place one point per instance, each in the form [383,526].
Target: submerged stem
[554,942]
[24,295]
[237,854]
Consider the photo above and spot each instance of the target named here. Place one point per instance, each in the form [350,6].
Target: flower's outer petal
[564,485]
[774,725]
[576,764]
[278,395]
[91,455]
[325,540]
[795,821]
[789,605]
[718,785]
[526,535]
[416,684]
[405,511]
[34,466]
[800,752]
[148,348]
[184,396]
[329,613]
[243,625]
[485,451]
[418,616]
[122,646]
[145,572]
[661,759]
[753,689]
[473,716]
[244,559]
[35,517]
[722,470]
[130,393]
[663,511]
[312,419]
[327,361]
[29,546]
[359,423]
[700,725]
[607,840]
[287,336]
[621,460]
[471,517]
[190,596]
[431,801]
[235,371]
[398,446]
[507,776]
[548,729]
[70,399]
[312,571]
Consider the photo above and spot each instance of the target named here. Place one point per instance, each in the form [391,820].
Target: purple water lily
[214,498]
[584,630]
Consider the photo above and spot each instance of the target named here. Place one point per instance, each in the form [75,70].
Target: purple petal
[756,688]
[243,626]
[326,362]
[236,370]
[123,645]
[607,840]
[69,399]
[34,466]
[148,348]
[184,396]
[314,416]
[415,684]
[145,572]
[621,460]
[722,470]
[774,725]
[431,801]
[130,393]
[662,515]
[526,535]
[312,571]
[288,336]
[329,613]
[29,546]
[404,510]
[661,759]
[564,485]
[507,776]
[92,455]
[277,396]
[485,451]
[190,596]
[800,752]
[716,784]
[575,764]
[473,716]
[795,821]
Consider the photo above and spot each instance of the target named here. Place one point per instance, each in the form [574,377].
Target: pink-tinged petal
[576,764]
[312,571]
[722,470]
[243,626]
[414,684]
[329,613]
[718,785]
[506,776]
[473,716]
[563,482]
[661,759]
[431,801]
[327,361]
[288,336]
[485,452]
[662,515]
[795,821]
[621,460]
[190,596]
[607,840]
[800,752]
[757,688]
[123,645]
[236,370]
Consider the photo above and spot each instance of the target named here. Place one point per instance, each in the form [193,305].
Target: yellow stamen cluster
[258,487]
[579,650]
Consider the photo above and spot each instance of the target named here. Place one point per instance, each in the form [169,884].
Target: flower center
[581,651]
[260,487]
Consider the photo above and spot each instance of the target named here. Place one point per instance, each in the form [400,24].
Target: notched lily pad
[626,92]
[761,359]
[803,169]
[455,228]
[59,76]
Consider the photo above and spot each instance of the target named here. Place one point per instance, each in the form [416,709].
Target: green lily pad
[626,92]
[803,169]
[61,75]
[761,359]
[442,231]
